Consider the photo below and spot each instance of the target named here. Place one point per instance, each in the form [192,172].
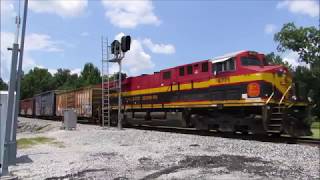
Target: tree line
[302,40]
[39,80]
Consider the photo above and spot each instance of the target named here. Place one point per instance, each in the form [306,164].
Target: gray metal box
[3,116]
[69,119]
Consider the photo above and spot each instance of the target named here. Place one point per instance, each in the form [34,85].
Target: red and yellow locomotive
[235,92]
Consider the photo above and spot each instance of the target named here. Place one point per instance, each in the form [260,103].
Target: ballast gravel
[93,152]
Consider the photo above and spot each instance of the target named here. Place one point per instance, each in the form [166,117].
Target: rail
[284,95]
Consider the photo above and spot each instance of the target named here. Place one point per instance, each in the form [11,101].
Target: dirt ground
[93,152]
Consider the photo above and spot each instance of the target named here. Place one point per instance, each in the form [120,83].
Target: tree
[90,75]
[303,40]
[64,80]
[71,83]
[37,80]
[272,58]
[3,85]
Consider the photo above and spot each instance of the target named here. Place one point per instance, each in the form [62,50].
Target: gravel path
[92,152]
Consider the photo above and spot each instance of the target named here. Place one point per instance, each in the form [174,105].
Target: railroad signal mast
[118,50]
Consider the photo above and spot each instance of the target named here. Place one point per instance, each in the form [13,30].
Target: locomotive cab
[267,87]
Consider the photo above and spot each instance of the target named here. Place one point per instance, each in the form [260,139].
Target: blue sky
[67,33]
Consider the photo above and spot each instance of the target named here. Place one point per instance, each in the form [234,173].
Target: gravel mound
[93,152]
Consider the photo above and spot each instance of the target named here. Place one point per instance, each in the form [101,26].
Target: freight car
[27,107]
[44,104]
[236,92]
[85,101]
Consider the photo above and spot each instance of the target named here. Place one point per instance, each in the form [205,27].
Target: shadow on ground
[232,163]
[23,159]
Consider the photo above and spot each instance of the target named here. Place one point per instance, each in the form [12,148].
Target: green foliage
[90,75]
[3,85]
[116,76]
[303,40]
[36,81]
[272,58]
[40,80]
[64,80]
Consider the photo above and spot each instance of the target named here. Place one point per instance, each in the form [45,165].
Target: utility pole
[8,146]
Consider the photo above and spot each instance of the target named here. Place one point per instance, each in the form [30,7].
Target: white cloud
[129,14]
[159,48]
[270,28]
[76,71]
[7,39]
[63,8]
[42,42]
[7,9]
[305,7]
[34,42]
[84,34]
[7,13]
[293,59]
[51,71]
[136,60]
[119,36]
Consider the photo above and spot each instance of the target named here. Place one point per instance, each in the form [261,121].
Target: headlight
[280,72]
[253,89]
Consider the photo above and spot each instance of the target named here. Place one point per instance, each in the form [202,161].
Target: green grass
[24,143]
[316,125]
[315,128]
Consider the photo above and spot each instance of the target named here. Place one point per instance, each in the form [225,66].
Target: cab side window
[228,65]
[167,75]
[189,69]
[205,67]
[181,71]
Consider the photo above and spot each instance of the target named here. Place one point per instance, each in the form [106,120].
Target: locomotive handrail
[284,94]
[270,97]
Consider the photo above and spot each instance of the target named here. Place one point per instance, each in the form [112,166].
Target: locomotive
[237,92]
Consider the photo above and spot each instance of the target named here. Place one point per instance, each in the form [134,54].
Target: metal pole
[10,111]
[108,82]
[17,108]
[119,98]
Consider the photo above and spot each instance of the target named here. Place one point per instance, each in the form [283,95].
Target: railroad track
[261,138]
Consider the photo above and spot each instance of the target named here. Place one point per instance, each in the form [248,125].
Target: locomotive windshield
[250,61]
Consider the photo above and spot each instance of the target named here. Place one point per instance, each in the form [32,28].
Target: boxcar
[44,104]
[27,107]
[85,101]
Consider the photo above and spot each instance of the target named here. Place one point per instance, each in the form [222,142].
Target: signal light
[115,47]
[253,89]
[125,43]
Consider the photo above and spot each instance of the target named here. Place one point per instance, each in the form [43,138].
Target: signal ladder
[105,86]
[109,84]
